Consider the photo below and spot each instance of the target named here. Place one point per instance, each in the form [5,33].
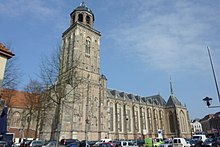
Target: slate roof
[155,99]
[172,101]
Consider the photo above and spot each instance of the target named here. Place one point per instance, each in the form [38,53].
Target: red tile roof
[15,98]
[5,51]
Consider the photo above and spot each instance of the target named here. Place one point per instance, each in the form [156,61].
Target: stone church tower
[81,68]
[91,111]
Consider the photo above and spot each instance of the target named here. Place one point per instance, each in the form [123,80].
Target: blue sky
[143,43]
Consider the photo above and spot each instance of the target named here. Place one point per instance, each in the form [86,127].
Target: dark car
[208,142]
[35,143]
[106,144]
[24,143]
[74,144]
[51,143]
[216,142]
[117,143]
[8,138]
[140,142]
[89,143]
[193,142]
[3,143]
[68,141]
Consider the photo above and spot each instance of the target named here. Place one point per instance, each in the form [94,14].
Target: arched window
[149,120]
[80,18]
[143,118]
[74,17]
[88,45]
[161,119]
[183,122]
[15,120]
[171,121]
[128,120]
[119,117]
[88,19]
[111,122]
[155,121]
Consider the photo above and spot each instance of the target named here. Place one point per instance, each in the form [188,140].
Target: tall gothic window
[119,119]
[161,120]
[88,45]
[155,121]
[183,122]
[149,120]
[143,120]
[171,121]
[15,121]
[128,120]
[136,122]
[111,122]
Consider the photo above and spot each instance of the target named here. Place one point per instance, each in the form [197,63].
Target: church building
[93,111]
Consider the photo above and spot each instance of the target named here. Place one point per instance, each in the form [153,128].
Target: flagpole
[213,72]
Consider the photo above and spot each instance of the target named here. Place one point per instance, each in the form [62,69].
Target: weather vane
[82,3]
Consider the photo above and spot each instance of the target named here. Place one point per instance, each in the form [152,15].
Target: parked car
[8,138]
[140,142]
[24,143]
[35,143]
[106,144]
[208,142]
[199,137]
[180,142]
[193,142]
[51,143]
[216,142]
[16,145]
[167,143]
[3,143]
[128,144]
[73,144]
[89,143]
[157,142]
[68,141]
[117,143]
[102,141]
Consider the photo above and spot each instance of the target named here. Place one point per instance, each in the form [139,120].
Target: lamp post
[208,100]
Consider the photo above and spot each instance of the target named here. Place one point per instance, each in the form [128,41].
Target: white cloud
[35,8]
[169,37]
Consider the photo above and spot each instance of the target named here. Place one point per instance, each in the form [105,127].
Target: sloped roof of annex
[120,95]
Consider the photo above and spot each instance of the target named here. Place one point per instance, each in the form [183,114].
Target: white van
[199,137]
[180,142]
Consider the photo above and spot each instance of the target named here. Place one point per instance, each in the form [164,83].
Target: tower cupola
[82,14]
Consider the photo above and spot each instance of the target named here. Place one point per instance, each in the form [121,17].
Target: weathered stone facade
[96,112]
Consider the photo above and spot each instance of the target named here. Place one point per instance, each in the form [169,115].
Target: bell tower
[80,60]
[81,43]
[82,14]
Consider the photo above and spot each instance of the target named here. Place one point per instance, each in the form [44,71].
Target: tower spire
[171,87]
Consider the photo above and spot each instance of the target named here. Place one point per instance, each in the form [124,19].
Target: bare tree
[55,80]
[33,104]
[11,75]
